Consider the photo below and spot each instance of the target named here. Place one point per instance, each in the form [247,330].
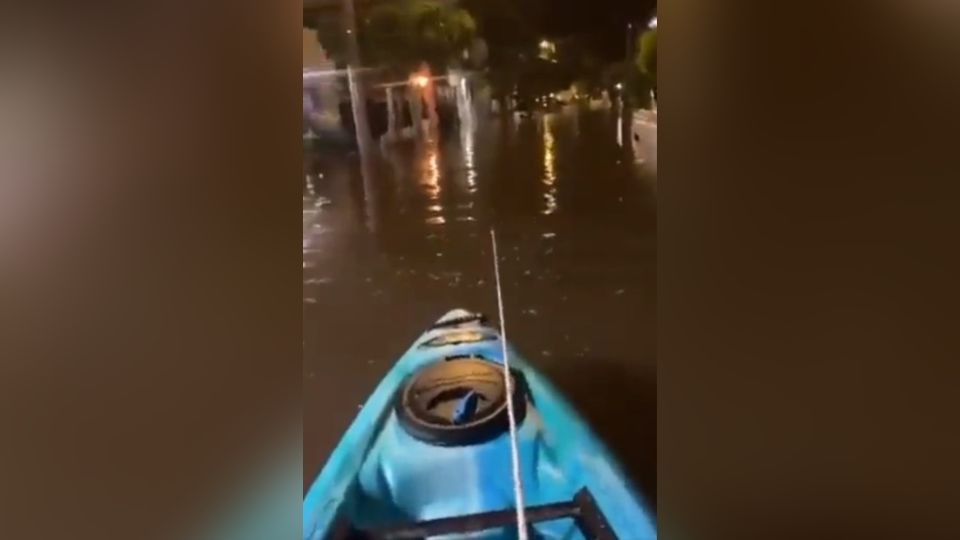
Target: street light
[548,50]
[619,86]
[653,22]
[421,81]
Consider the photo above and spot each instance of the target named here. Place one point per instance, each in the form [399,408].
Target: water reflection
[549,167]
[432,179]
[313,205]
[468,142]
[430,183]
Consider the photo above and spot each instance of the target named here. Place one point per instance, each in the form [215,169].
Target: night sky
[602,23]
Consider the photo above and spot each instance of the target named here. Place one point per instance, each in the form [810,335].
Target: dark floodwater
[576,224]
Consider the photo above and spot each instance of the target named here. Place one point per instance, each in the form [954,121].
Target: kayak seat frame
[583,509]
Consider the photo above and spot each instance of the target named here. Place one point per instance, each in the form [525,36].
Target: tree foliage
[331,36]
[404,33]
[647,54]
[510,27]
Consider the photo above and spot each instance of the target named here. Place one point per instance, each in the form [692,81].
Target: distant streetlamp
[619,86]
[653,22]
[548,50]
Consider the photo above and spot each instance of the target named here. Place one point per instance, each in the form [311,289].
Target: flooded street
[386,255]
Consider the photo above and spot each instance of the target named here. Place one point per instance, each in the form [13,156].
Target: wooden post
[358,98]
[415,100]
[391,115]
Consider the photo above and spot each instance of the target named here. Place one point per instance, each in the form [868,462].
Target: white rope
[508,382]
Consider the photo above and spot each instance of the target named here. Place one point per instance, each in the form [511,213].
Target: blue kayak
[429,454]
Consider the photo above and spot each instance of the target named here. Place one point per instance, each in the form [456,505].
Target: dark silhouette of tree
[510,30]
[647,54]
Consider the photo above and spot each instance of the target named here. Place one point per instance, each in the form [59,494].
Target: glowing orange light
[421,80]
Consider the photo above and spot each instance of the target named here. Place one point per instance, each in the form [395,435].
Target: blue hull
[380,475]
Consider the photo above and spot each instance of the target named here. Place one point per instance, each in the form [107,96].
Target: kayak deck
[390,482]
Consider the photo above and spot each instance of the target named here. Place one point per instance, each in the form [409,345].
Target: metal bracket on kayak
[582,509]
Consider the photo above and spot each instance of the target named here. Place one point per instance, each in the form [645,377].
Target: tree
[330,34]
[507,25]
[647,55]
[510,30]
[405,33]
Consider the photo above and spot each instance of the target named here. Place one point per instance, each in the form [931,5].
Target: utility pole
[358,97]
[358,101]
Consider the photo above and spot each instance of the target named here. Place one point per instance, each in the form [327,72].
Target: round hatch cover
[458,402]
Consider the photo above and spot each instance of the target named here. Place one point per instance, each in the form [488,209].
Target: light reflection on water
[429,189]
[313,232]
[468,142]
[430,183]
[434,186]
[549,167]
[432,179]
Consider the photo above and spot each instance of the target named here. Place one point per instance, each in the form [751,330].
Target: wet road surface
[384,255]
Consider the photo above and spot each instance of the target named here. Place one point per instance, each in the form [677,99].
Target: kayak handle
[473,317]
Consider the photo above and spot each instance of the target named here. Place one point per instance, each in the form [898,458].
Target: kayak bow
[429,454]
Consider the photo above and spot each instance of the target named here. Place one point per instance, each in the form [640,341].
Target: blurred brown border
[151,321]
[808,296]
